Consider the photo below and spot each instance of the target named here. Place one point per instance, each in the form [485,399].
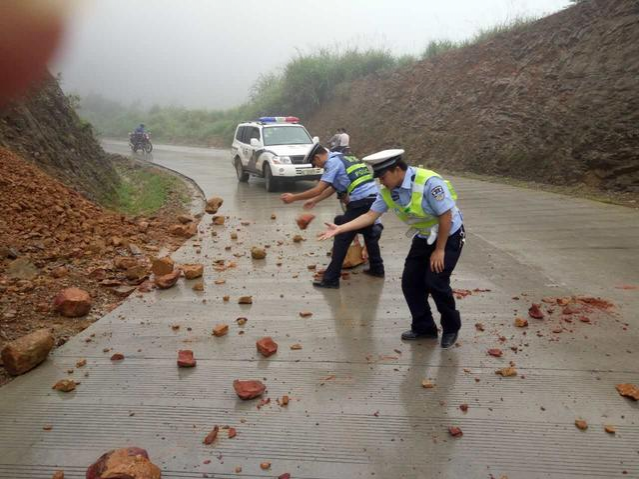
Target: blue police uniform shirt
[433,202]
[335,175]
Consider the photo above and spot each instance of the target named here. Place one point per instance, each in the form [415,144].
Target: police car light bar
[279,119]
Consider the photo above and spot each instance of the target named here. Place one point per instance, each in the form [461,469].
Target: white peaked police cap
[382,160]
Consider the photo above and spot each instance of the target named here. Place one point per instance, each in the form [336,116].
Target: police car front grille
[298,160]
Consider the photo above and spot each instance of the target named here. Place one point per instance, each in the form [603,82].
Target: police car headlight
[282,160]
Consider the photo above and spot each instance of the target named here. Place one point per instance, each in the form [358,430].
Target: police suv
[273,148]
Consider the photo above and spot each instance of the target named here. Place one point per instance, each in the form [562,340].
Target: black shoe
[374,274]
[411,335]
[448,339]
[320,283]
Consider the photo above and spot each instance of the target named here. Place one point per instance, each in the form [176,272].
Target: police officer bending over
[423,200]
[351,178]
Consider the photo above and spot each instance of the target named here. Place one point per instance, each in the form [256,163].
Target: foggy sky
[207,53]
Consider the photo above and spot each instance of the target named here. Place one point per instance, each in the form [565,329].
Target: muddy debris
[184,231]
[72,303]
[117,357]
[298,239]
[495,352]
[219,220]
[241,321]
[58,475]
[245,300]
[610,429]
[455,431]
[521,322]
[258,252]
[296,347]
[199,286]
[427,384]
[130,463]
[25,353]
[305,314]
[265,465]
[249,389]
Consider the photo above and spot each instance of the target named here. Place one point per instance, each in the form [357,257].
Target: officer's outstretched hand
[287,198]
[329,233]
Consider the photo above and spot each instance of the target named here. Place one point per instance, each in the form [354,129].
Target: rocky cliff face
[556,101]
[44,129]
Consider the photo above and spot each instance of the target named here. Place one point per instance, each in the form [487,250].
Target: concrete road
[358,408]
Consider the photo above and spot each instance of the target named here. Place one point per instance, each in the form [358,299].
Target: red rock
[521,322]
[64,385]
[581,424]
[305,314]
[298,239]
[628,390]
[463,407]
[59,272]
[125,262]
[184,231]
[535,312]
[137,273]
[286,475]
[192,271]
[219,220]
[199,286]
[220,330]
[455,431]
[168,280]
[211,436]
[127,463]
[495,352]
[143,226]
[304,220]
[232,432]
[248,389]
[284,401]
[213,204]
[117,357]
[266,346]
[72,302]
[58,475]
[27,352]
[162,266]
[185,219]
[265,465]
[186,359]
[507,372]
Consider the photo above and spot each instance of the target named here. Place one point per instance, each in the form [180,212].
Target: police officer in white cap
[426,202]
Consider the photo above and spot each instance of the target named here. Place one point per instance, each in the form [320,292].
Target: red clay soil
[52,238]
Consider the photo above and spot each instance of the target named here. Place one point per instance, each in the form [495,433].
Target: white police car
[273,148]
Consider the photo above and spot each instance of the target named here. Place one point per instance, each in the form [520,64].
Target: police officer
[426,202]
[350,178]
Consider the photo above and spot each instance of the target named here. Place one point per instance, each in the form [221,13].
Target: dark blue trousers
[419,282]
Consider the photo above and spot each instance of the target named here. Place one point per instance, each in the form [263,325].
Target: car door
[255,151]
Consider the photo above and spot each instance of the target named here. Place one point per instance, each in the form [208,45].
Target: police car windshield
[286,135]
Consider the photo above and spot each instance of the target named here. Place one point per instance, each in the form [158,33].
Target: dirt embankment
[44,129]
[556,102]
[52,238]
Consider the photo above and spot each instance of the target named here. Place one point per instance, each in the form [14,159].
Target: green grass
[144,191]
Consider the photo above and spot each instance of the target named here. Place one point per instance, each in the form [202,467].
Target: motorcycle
[140,141]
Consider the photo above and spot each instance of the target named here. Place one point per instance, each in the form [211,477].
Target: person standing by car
[344,140]
[346,175]
[334,142]
[427,203]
